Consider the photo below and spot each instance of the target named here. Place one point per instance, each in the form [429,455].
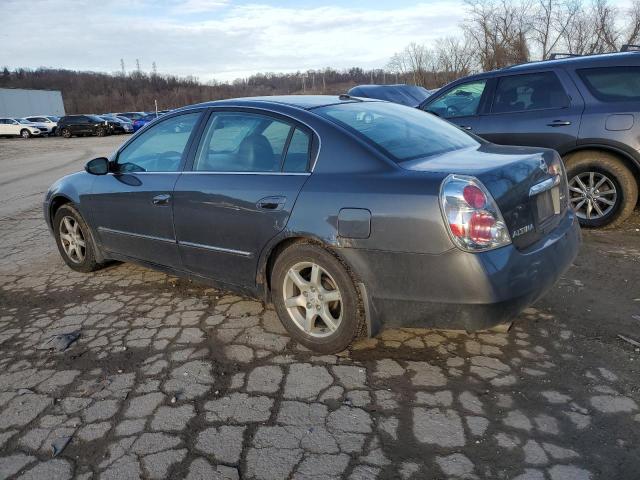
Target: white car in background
[47,124]
[13,128]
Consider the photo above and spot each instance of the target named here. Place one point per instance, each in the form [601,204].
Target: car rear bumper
[459,290]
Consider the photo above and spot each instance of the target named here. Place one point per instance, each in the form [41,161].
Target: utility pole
[138,65]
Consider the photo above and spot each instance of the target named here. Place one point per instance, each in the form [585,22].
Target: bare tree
[454,58]
[416,62]
[550,21]
[631,33]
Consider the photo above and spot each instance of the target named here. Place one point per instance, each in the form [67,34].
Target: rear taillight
[472,216]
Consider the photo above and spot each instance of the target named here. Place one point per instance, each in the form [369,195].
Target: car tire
[24,133]
[342,309]
[598,166]
[70,232]
[101,132]
[66,133]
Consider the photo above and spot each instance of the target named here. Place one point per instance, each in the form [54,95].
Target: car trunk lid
[527,184]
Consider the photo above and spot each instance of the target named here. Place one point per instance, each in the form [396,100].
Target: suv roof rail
[555,56]
[630,48]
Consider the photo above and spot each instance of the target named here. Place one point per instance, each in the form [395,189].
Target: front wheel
[24,133]
[315,298]
[74,240]
[66,133]
[101,132]
[602,190]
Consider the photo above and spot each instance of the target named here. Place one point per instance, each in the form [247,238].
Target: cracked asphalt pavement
[172,379]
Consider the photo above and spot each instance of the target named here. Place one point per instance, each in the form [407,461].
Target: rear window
[402,133]
[612,84]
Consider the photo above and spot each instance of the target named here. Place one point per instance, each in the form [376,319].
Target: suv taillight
[471,215]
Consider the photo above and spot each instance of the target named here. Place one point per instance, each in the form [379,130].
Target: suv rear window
[612,84]
[400,132]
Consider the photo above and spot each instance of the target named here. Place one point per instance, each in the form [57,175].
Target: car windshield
[23,120]
[96,118]
[54,119]
[402,133]
[124,119]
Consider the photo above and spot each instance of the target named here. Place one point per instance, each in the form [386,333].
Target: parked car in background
[348,215]
[83,125]
[409,95]
[117,125]
[141,122]
[10,127]
[131,115]
[587,108]
[46,124]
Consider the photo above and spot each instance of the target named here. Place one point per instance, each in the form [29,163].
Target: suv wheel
[602,190]
[315,298]
[101,132]
[24,133]
[66,133]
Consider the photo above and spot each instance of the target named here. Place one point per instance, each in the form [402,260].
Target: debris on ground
[62,341]
[59,444]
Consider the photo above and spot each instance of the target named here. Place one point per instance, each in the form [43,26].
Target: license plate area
[548,204]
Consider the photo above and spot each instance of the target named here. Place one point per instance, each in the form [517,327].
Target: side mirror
[97,166]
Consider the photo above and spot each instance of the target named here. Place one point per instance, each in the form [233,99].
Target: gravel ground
[170,379]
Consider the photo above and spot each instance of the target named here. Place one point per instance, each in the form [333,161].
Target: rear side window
[242,142]
[298,152]
[612,84]
[535,91]
[400,132]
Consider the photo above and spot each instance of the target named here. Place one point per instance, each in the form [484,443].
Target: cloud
[215,38]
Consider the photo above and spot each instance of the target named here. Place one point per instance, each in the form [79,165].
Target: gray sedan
[348,215]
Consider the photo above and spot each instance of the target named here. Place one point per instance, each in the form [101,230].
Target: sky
[217,39]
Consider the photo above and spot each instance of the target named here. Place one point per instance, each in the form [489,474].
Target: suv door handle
[162,200]
[559,123]
[271,203]
[466,127]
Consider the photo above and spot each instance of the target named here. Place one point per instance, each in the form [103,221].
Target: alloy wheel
[592,194]
[312,299]
[24,134]
[72,239]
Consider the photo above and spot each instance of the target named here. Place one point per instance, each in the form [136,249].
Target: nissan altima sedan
[348,215]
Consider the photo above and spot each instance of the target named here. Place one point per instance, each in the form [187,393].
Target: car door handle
[271,203]
[466,127]
[162,199]
[559,123]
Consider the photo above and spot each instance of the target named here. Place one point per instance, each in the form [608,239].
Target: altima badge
[522,231]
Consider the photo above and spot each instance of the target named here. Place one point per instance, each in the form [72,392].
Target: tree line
[495,34]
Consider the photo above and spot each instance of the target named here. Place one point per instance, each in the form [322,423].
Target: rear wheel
[66,133]
[315,298]
[602,190]
[24,133]
[101,132]
[74,240]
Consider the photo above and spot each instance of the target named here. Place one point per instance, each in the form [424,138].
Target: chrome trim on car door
[137,235]
[216,249]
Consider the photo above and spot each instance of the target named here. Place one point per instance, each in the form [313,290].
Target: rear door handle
[559,123]
[466,127]
[271,203]
[162,199]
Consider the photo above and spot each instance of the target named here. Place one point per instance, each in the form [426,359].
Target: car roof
[306,102]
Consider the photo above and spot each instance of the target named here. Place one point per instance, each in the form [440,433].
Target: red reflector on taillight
[480,225]
[457,229]
[474,196]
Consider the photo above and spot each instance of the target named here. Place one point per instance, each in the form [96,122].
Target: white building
[19,102]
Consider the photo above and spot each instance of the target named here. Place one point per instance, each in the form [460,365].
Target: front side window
[402,133]
[461,101]
[535,91]
[242,142]
[160,148]
[613,84]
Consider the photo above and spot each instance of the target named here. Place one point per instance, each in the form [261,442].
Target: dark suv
[81,125]
[587,108]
